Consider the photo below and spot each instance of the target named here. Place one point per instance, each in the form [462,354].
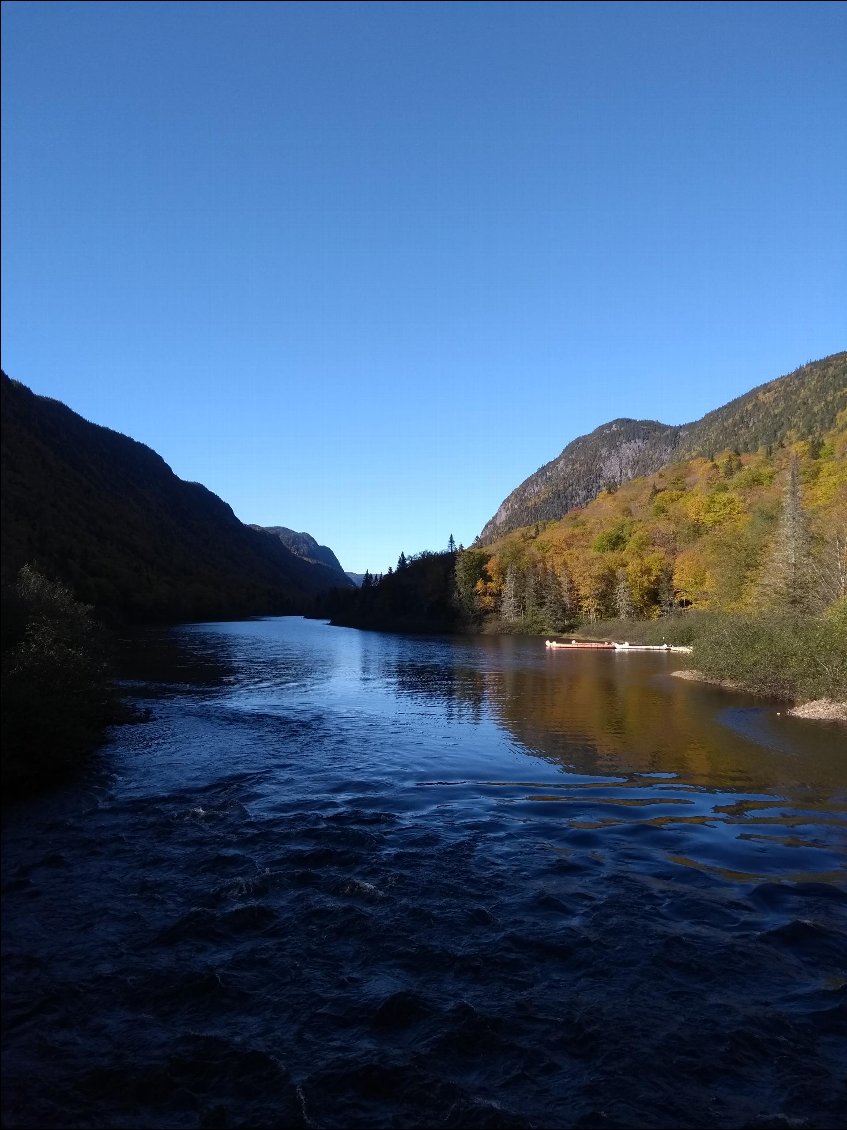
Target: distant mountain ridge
[799,405]
[305,546]
[106,515]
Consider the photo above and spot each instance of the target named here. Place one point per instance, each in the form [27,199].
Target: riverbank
[820,709]
[823,708]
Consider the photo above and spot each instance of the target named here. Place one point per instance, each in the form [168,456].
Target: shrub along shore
[801,661]
[58,693]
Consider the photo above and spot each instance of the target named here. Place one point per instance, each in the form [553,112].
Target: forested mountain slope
[106,515]
[798,406]
[702,533]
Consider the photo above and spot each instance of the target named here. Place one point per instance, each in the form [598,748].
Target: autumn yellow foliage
[693,535]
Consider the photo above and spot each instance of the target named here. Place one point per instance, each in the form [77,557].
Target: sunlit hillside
[697,534]
[799,406]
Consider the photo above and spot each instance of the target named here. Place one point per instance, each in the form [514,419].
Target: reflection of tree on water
[607,714]
[460,690]
[429,670]
[215,657]
[168,655]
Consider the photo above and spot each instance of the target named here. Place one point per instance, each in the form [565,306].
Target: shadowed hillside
[106,515]
[304,545]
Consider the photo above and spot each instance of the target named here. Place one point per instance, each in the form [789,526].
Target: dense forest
[713,533]
[418,596]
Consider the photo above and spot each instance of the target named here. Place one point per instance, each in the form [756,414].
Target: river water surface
[345,879]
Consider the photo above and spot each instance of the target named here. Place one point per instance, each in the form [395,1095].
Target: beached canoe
[588,645]
[580,644]
[649,647]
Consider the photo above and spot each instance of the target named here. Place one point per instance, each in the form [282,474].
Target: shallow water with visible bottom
[345,879]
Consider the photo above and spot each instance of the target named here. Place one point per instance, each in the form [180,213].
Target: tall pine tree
[510,602]
[785,582]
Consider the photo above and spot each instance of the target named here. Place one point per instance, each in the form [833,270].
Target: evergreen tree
[468,572]
[530,601]
[829,570]
[623,597]
[401,562]
[451,545]
[570,598]
[667,596]
[553,603]
[785,582]
[510,609]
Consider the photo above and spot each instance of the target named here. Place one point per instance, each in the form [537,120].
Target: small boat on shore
[610,646]
[649,647]
[580,644]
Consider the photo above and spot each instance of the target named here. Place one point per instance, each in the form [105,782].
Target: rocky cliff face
[609,456]
[800,405]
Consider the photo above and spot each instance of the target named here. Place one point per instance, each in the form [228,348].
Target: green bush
[679,628]
[775,654]
[616,537]
[57,694]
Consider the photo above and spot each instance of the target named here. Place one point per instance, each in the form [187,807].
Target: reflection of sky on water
[615,745]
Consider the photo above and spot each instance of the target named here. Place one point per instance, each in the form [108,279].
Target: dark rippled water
[345,879]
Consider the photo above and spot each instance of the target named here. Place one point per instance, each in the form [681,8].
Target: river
[346,879]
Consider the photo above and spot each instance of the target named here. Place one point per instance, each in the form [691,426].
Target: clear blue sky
[361,268]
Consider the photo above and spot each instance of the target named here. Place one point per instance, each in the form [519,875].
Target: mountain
[106,515]
[304,545]
[356,578]
[800,405]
